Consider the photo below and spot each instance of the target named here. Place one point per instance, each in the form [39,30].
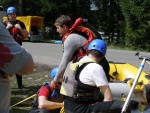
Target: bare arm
[107,93]
[24,32]
[9,25]
[49,105]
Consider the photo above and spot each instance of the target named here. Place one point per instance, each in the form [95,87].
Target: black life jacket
[85,94]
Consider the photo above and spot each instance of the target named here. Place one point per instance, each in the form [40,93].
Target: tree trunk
[22,7]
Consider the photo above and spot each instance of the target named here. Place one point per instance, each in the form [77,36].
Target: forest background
[124,23]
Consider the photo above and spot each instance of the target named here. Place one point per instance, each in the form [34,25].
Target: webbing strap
[74,66]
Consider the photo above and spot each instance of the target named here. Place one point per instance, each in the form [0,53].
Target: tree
[137,30]
[22,7]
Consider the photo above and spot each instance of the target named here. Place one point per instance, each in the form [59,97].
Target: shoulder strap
[93,30]
[80,69]
[6,22]
[48,87]
[80,33]
[74,66]
[18,21]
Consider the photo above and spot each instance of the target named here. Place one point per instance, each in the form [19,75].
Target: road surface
[51,54]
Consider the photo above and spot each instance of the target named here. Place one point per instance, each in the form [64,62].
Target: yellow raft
[123,71]
[123,75]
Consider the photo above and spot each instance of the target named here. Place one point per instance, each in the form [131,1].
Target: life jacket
[54,97]
[15,33]
[85,93]
[74,89]
[83,27]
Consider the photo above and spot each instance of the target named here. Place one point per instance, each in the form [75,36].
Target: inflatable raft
[122,78]
[123,75]
[124,71]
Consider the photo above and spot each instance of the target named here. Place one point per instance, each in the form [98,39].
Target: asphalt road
[51,54]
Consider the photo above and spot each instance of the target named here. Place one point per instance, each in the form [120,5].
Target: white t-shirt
[93,74]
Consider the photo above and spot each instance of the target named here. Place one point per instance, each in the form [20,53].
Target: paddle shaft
[133,86]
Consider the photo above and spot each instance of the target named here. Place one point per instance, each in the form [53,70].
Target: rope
[23,100]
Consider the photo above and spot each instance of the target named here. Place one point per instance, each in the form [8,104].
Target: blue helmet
[99,45]
[11,10]
[53,72]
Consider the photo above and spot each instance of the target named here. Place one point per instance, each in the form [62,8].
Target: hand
[18,26]
[63,104]
[53,84]
[9,25]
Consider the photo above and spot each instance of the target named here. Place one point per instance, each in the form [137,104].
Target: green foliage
[8,3]
[137,15]
[129,19]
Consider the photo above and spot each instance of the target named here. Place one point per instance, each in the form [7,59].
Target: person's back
[13,59]
[91,80]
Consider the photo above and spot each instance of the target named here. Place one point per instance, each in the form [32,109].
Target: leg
[19,81]
[75,107]
[108,107]
[5,94]
[39,111]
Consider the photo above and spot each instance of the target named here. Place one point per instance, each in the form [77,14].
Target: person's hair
[96,53]
[64,20]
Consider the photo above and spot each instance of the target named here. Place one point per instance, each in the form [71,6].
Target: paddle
[144,59]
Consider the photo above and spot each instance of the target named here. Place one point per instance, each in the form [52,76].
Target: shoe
[21,87]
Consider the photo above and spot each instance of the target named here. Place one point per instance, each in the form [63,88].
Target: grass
[32,83]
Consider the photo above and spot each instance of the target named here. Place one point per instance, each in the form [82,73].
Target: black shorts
[99,107]
[38,110]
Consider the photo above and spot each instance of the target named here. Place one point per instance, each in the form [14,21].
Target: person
[18,31]
[73,43]
[1,8]
[47,99]
[91,79]
[13,59]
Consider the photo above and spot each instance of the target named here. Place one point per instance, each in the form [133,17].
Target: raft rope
[23,100]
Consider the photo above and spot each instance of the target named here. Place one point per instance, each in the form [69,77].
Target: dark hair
[64,20]
[96,53]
